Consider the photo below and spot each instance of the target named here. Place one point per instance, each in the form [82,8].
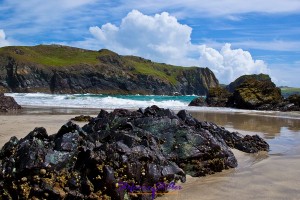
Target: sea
[64,103]
[100,100]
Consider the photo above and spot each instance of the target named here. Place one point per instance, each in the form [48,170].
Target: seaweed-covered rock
[292,103]
[295,99]
[8,103]
[236,83]
[255,92]
[218,97]
[252,93]
[82,118]
[198,101]
[116,154]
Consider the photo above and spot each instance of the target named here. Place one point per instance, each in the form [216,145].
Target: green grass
[53,55]
[163,71]
[287,91]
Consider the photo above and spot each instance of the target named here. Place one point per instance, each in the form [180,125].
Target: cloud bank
[3,41]
[162,38]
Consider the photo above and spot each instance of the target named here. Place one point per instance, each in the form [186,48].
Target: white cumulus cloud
[3,41]
[159,36]
[162,38]
[228,63]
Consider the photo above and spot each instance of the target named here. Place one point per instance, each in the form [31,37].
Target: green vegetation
[64,56]
[288,91]
[163,71]
[52,55]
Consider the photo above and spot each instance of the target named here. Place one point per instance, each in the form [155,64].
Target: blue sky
[230,37]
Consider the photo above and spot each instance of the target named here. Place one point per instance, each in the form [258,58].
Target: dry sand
[21,125]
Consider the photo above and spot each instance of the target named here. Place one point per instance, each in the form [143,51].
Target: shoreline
[56,110]
[263,174]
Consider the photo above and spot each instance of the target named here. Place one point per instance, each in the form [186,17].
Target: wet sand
[273,175]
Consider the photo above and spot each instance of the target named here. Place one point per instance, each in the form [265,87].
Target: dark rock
[236,83]
[8,103]
[253,93]
[198,101]
[295,99]
[134,148]
[218,97]
[82,118]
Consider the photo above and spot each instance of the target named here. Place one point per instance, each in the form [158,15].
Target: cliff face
[61,69]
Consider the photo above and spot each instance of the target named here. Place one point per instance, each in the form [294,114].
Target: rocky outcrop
[8,103]
[198,101]
[254,92]
[218,97]
[259,77]
[61,69]
[292,103]
[117,153]
[295,99]
[82,118]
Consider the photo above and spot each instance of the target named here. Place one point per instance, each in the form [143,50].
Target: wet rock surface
[199,101]
[253,92]
[82,118]
[8,103]
[218,97]
[138,148]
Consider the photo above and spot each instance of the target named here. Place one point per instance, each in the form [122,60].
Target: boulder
[295,99]
[292,103]
[218,97]
[236,83]
[82,118]
[198,101]
[118,153]
[253,93]
[8,103]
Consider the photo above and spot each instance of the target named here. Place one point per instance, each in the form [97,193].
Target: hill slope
[63,69]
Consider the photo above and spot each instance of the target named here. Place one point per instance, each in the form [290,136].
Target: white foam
[129,102]
[89,101]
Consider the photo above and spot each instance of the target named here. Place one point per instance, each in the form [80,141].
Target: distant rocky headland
[254,92]
[63,69]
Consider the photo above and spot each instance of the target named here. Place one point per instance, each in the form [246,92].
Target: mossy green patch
[52,55]
[288,91]
[161,70]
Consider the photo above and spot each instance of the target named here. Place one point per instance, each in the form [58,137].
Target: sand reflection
[270,126]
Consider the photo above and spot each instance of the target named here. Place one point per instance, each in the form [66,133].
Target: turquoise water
[100,101]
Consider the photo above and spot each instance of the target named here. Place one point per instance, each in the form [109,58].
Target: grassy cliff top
[51,55]
[288,91]
[64,56]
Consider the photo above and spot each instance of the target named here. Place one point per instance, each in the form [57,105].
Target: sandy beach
[273,175]
[21,125]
